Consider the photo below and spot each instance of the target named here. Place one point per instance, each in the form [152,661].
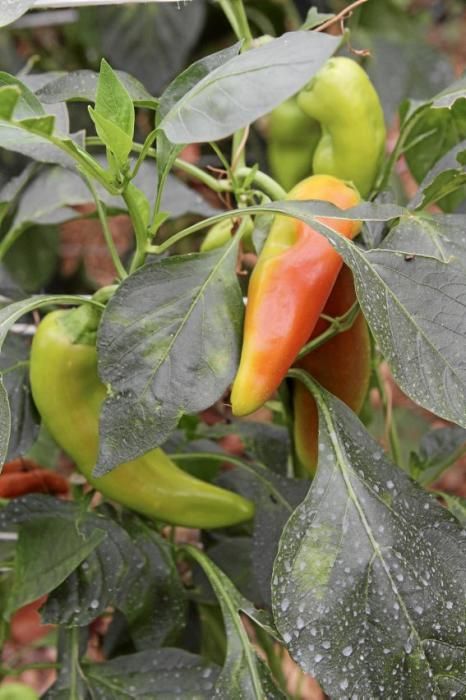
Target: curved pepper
[343,100]
[292,140]
[69,395]
[342,366]
[288,289]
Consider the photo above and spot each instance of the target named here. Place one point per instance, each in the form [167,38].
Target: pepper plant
[358,573]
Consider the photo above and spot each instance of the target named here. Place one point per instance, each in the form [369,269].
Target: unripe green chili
[292,140]
[344,102]
[69,395]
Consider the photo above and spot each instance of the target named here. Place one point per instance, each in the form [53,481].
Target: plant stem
[188,168]
[339,324]
[205,223]
[73,634]
[140,230]
[106,231]
[391,428]
[266,183]
[242,23]
[18,670]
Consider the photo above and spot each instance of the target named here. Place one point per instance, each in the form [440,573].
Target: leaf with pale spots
[413,298]
[369,584]
[168,344]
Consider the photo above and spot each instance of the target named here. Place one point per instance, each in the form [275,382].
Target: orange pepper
[288,290]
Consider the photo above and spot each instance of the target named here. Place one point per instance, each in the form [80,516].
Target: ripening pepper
[288,290]
[69,395]
[343,100]
[342,365]
[292,140]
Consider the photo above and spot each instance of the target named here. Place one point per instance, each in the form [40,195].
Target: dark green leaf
[403,298]
[275,498]
[152,42]
[233,555]
[447,176]
[39,568]
[243,675]
[106,577]
[155,607]
[442,236]
[173,326]
[165,674]
[369,583]
[266,443]
[433,135]
[439,449]
[14,366]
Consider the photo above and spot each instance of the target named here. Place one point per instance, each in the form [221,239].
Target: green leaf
[9,11]
[243,674]
[442,182]
[364,593]
[116,140]
[266,443]
[9,97]
[42,126]
[456,505]
[81,86]
[86,582]
[439,449]
[314,18]
[184,346]
[10,191]
[275,498]
[166,151]
[155,675]
[27,106]
[436,133]
[403,297]
[156,607]
[14,367]
[113,101]
[152,41]
[40,568]
[107,577]
[441,236]
[247,87]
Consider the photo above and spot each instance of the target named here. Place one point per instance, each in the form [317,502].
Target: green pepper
[292,139]
[17,691]
[221,233]
[343,100]
[69,395]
